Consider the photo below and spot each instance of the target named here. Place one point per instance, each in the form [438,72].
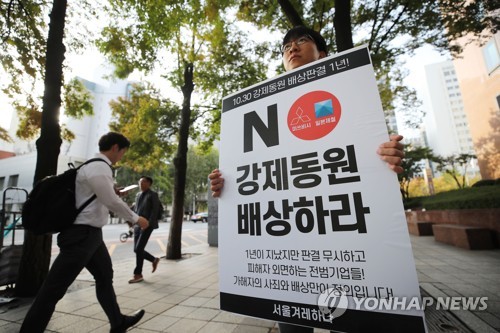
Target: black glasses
[299,41]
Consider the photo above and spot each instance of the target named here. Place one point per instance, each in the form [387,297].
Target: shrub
[487,182]
[468,198]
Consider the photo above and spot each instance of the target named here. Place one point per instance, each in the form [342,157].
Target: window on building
[491,55]
[13,180]
[2,183]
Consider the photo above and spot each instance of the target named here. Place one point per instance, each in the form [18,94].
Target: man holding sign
[281,275]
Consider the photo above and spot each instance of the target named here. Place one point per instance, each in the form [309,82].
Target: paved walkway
[182,296]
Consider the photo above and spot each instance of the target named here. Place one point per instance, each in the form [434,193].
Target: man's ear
[322,54]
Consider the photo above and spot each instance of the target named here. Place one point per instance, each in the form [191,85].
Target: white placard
[308,205]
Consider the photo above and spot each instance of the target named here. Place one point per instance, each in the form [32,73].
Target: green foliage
[162,181]
[30,119]
[77,100]
[468,198]
[390,28]
[200,164]
[166,36]
[412,167]
[24,30]
[150,123]
[455,166]
[4,135]
[22,54]
[486,182]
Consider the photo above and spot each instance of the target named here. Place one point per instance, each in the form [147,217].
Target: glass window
[491,56]
[2,183]
[13,180]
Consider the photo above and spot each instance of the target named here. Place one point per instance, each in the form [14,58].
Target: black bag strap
[92,198]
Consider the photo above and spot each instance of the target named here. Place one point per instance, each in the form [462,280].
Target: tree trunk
[180,167]
[290,13]
[35,259]
[342,23]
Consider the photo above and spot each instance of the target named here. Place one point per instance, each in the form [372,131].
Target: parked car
[203,217]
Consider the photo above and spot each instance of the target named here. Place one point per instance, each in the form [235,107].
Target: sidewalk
[182,296]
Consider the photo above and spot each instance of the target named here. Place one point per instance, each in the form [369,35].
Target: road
[192,234]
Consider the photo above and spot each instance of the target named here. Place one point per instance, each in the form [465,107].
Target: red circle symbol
[314,115]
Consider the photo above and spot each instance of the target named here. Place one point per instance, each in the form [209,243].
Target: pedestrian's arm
[101,183]
[155,206]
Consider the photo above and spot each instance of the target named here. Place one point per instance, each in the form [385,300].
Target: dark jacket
[148,207]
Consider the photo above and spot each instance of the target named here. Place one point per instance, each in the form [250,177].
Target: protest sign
[308,207]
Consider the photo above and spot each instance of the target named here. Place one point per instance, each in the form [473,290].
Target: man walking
[81,245]
[147,205]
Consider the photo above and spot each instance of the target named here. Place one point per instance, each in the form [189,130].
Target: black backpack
[51,206]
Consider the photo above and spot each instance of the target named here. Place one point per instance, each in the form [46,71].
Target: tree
[200,164]
[450,165]
[4,135]
[209,53]
[35,261]
[149,121]
[28,58]
[412,167]
[23,52]
[390,28]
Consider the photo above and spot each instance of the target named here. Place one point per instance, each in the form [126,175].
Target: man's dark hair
[149,179]
[112,138]
[300,30]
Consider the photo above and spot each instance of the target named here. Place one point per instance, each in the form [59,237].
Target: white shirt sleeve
[103,187]
[96,178]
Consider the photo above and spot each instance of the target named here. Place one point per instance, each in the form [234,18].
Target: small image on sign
[314,115]
[323,108]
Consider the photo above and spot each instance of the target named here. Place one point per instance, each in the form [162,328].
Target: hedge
[468,198]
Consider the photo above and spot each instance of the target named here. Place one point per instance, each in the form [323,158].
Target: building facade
[17,169]
[478,71]
[446,123]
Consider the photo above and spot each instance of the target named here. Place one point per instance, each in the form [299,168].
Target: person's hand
[117,190]
[392,153]
[142,222]
[216,183]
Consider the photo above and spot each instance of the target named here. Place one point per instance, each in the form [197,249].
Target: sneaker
[137,278]
[155,264]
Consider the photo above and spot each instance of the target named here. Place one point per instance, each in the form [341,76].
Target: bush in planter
[469,198]
[487,182]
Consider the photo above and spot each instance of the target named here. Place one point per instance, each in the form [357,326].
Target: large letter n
[269,134]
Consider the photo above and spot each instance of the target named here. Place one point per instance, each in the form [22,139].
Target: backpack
[50,206]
